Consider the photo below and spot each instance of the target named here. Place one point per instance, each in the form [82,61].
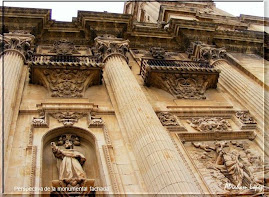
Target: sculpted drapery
[70,166]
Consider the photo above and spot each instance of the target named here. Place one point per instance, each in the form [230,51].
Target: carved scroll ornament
[68,118]
[210,124]
[245,117]
[40,121]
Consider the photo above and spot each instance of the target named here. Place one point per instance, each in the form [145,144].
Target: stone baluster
[16,51]
[162,168]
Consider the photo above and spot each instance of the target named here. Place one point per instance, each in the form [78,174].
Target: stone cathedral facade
[166,98]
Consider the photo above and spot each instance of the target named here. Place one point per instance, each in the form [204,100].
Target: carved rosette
[246,120]
[199,51]
[183,86]
[210,124]
[68,118]
[108,45]
[67,83]
[19,42]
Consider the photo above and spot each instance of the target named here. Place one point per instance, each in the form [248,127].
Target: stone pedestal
[162,168]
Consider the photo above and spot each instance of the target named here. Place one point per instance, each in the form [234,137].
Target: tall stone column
[16,51]
[162,168]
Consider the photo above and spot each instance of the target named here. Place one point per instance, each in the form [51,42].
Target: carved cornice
[199,51]
[19,42]
[109,45]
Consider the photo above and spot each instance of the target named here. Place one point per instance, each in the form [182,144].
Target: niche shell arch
[88,147]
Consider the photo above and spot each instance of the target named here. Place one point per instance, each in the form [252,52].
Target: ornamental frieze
[210,124]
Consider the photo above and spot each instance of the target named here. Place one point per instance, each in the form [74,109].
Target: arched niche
[88,147]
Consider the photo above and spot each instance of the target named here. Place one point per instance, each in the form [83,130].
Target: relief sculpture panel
[230,167]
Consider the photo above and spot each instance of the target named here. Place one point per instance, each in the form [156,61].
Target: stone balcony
[65,75]
[182,79]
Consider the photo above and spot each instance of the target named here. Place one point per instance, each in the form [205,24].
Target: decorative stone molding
[68,118]
[170,122]
[187,136]
[167,119]
[72,138]
[108,45]
[63,47]
[67,83]
[199,51]
[183,86]
[157,52]
[246,120]
[20,42]
[40,121]
[210,124]
[230,162]
[112,174]
[95,121]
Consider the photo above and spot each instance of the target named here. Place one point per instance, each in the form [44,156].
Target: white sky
[64,11]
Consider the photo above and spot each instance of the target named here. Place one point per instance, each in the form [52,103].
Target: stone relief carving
[229,163]
[107,45]
[199,51]
[12,41]
[40,121]
[70,165]
[184,86]
[63,47]
[157,52]
[210,124]
[67,83]
[68,118]
[245,117]
[167,119]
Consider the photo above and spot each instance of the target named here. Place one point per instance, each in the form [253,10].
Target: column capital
[199,51]
[19,42]
[108,45]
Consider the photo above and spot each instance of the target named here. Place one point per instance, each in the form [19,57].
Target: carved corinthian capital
[108,45]
[19,42]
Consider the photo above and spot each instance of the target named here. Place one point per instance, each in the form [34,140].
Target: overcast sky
[64,11]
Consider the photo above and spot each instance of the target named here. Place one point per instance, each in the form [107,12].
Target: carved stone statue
[71,163]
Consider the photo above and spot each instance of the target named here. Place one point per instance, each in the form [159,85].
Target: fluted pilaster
[249,93]
[162,168]
[16,52]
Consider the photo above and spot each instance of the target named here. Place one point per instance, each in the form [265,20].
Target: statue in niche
[70,166]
